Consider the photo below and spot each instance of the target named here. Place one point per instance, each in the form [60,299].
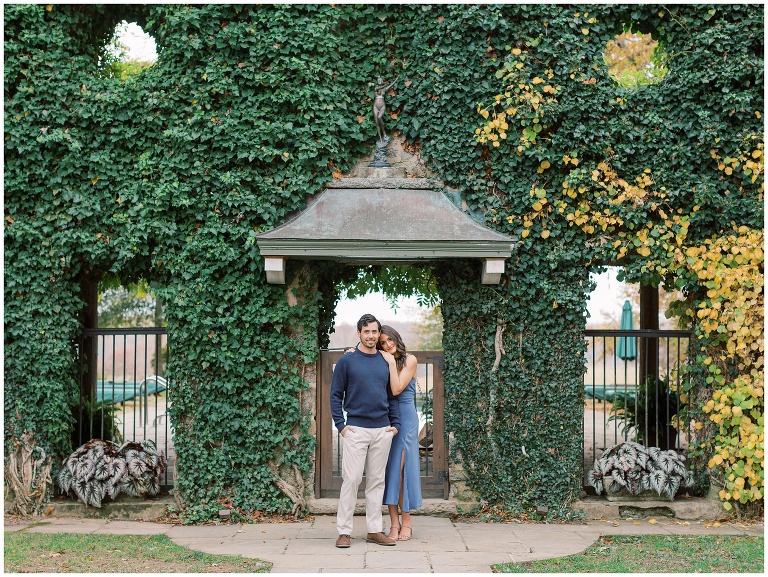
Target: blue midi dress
[405,447]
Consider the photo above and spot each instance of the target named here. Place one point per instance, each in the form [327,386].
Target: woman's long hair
[400,352]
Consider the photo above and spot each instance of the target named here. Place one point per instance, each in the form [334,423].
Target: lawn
[74,553]
[656,554]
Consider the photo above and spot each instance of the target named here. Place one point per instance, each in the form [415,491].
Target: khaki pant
[367,448]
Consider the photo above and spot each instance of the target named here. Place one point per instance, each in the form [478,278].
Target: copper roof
[389,220]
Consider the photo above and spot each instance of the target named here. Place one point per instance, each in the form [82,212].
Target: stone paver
[67,526]
[202,531]
[438,546]
[402,560]
[449,562]
[301,562]
[131,528]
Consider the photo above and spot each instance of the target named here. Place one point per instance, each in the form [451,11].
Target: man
[360,387]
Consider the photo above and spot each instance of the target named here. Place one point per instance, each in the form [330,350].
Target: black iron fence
[124,394]
[634,390]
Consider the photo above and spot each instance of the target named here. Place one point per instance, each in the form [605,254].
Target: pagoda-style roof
[386,220]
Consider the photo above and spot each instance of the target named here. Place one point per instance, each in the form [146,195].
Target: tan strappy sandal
[405,537]
[396,530]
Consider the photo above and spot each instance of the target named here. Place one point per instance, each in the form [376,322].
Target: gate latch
[442,476]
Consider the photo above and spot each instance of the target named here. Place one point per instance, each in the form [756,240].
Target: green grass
[74,553]
[656,554]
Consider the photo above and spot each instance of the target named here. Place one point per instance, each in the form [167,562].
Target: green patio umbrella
[626,349]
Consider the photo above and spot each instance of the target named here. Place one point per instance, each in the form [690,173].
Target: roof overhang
[383,224]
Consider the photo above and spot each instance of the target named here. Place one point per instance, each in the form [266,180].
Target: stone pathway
[439,545]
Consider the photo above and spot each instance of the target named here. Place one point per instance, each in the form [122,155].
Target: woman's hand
[387,357]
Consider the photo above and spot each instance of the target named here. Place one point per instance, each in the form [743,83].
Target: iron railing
[637,397]
[124,394]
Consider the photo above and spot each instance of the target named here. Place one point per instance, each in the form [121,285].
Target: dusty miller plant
[634,468]
[101,469]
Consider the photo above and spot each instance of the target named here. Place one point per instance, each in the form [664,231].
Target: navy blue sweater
[361,387]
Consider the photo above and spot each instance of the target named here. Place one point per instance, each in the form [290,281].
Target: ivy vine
[168,175]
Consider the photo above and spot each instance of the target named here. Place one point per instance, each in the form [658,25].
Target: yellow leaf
[49,7]
[94,180]
[652,521]
[525,233]
[537,80]
[585,31]
[544,234]
[545,164]
[516,51]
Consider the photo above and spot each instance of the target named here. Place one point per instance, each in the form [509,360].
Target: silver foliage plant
[101,469]
[634,468]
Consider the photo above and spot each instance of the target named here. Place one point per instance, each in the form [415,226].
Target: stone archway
[360,219]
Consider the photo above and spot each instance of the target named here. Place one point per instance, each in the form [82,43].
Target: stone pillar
[467,502]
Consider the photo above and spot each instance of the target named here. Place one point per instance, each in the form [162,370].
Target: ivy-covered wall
[170,174]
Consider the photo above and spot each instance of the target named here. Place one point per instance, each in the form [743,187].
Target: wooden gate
[430,405]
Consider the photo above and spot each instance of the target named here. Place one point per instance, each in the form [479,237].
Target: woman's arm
[399,382]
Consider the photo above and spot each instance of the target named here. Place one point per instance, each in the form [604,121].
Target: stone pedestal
[381,172]
[404,160]
[380,155]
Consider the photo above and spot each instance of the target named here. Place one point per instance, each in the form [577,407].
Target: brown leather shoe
[342,542]
[380,539]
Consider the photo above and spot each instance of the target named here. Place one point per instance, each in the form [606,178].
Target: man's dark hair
[367,319]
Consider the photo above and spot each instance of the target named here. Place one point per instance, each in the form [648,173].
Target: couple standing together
[375,385]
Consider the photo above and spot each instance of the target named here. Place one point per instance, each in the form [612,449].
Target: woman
[403,477]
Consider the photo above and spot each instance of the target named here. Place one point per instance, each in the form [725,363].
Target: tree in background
[117,60]
[428,329]
[131,306]
[611,318]
[634,59]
